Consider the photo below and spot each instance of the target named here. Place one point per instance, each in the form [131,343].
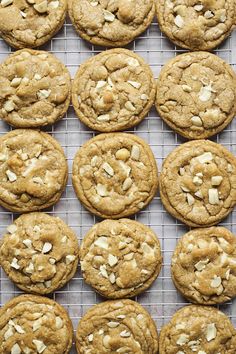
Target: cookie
[33,170]
[196,94]
[39,253]
[199,329]
[196,25]
[115,175]
[34,88]
[34,324]
[119,326]
[113,90]
[198,183]
[31,23]
[111,24]
[204,265]
[120,258]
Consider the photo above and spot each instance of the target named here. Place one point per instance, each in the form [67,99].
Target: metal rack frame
[162,299]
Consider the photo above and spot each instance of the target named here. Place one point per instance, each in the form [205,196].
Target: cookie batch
[115,175]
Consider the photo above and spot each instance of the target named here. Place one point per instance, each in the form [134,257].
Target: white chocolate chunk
[211,332]
[27,242]
[16,81]
[14,263]
[106,341]
[179,21]
[37,77]
[30,268]
[184,189]
[183,339]
[208,14]
[190,199]
[197,181]
[102,242]
[8,333]
[127,184]
[94,3]
[199,194]
[43,94]
[37,324]
[196,121]
[198,7]
[103,271]
[205,93]
[41,7]
[46,247]
[201,264]
[103,118]
[53,5]
[108,16]
[121,317]
[52,261]
[90,337]
[135,152]
[112,260]
[125,334]
[227,274]
[15,349]
[102,190]
[135,84]
[25,80]
[37,180]
[216,282]
[40,346]
[108,169]
[229,168]
[186,88]
[223,18]
[5,3]
[202,352]
[12,228]
[112,278]
[113,324]
[70,258]
[144,97]
[133,62]
[11,175]
[213,196]
[180,326]
[101,84]
[19,329]
[216,180]
[205,158]
[129,106]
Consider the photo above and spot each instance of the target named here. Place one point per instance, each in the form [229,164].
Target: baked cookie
[196,25]
[119,326]
[196,94]
[34,89]
[30,23]
[113,90]
[198,183]
[204,265]
[111,24]
[199,329]
[33,170]
[120,258]
[115,175]
[39,253]
[34,324]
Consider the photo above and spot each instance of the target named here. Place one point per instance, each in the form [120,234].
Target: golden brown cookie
[204,265]
[30,23]
[120,258]
[196,25]
[115,175]
[111,24]
[198,329]
[196,94]
[198,183]
[113,90]
[35,89]
[39,253]
[119,326]
[33,170]
[33,324]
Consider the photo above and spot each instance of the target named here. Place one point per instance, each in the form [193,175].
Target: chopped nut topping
[123,154]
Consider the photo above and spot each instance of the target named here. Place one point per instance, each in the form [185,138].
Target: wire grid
[162,299]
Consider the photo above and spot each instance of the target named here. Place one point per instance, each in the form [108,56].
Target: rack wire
[162,299]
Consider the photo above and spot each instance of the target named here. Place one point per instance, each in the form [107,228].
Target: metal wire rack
[161,300]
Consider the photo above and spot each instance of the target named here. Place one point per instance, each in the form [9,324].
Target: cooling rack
[161,300]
